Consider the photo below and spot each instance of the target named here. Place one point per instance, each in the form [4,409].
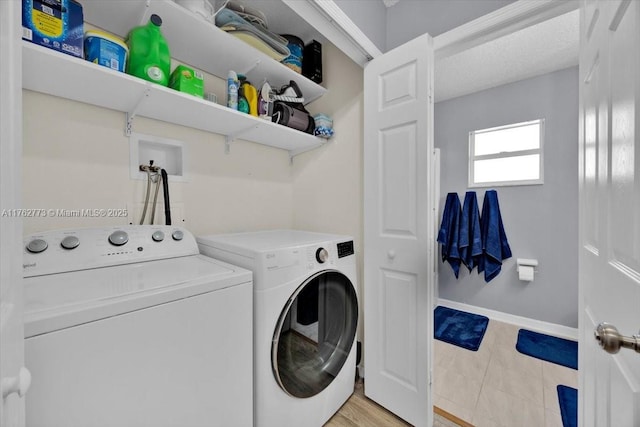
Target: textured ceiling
[549,46]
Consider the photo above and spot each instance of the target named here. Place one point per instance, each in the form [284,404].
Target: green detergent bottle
[149,56]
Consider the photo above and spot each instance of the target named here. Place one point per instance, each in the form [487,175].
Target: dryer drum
[306,357]
[307,307]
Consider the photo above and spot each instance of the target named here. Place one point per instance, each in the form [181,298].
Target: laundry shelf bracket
[132,114]
[294,153]
[228,139]
[253,67]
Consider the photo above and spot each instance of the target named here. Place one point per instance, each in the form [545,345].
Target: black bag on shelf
[288,109]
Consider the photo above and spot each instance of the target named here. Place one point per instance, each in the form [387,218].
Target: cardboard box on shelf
[186,79]
[56,24]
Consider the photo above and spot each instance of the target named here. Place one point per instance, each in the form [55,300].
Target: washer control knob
[36,246]
[322,255]
[118,238]
[70,242]
[158,236]
[177,235]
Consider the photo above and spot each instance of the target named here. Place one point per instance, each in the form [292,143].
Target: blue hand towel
[494,239]
[449,232]
[470,240]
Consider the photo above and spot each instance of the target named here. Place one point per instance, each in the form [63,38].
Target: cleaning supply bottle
[243,105]
[265,105]
[149,56]
[232,90]
[251,95]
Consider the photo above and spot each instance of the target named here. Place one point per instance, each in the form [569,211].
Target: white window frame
[473,158]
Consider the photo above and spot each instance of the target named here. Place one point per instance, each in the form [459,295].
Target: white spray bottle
[232,90]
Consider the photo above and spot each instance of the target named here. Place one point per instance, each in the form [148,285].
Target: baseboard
[449,416]
[524,322]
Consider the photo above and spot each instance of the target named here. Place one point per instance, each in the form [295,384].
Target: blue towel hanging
[449,232]
[470,239]
[494,240]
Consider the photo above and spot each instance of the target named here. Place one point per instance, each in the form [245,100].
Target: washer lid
[63,300]
[251,243]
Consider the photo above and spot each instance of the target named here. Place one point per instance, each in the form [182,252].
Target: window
[507,155]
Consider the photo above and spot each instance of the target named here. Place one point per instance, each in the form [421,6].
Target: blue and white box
[56,24]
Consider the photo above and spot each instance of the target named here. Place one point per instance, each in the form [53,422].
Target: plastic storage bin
[106,50]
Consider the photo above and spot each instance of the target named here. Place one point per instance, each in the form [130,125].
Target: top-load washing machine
[305,321]
[131,326]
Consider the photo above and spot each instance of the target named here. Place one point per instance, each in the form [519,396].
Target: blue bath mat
[459,328]
[568,397]
[555,350]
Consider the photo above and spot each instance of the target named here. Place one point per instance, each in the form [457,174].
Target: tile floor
[497,386]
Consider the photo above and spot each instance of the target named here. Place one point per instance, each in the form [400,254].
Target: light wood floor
[359,411]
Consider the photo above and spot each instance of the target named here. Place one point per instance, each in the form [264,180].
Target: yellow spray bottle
[251,95]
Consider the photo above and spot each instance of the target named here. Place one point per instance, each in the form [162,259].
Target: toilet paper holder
[526,268]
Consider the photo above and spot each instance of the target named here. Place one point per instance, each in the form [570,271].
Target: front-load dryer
[305,321]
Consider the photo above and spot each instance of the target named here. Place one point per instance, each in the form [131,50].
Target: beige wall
[77,156]
[327,182]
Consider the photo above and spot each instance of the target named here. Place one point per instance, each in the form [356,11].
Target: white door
[11,328]
[609,209]
[398,230]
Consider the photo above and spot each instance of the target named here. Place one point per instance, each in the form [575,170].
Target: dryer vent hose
[165,192]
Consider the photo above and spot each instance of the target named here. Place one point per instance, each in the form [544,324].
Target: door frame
[334,24]
[502,22]
[506,20]
[11,324]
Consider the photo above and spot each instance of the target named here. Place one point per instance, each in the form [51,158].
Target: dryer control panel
[61,251]
[329,254]
[345,249]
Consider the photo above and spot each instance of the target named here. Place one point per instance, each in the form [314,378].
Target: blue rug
[459,328]
[568,397]
[555,350]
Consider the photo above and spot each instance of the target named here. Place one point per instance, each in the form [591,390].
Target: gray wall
[411,18]
[390,27]
[541,221]
[370,16]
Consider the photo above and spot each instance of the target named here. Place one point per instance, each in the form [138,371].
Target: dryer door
[314,334]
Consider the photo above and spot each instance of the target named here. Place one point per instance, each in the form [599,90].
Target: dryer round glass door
[314,334]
